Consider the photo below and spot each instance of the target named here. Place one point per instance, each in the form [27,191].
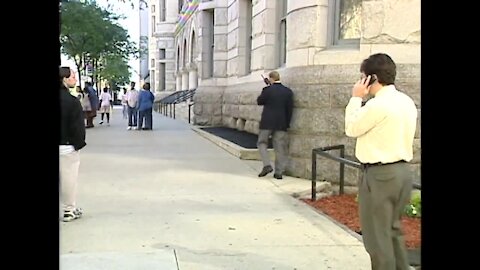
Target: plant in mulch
[414,208]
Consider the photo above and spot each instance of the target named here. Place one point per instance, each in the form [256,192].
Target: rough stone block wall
[320,96]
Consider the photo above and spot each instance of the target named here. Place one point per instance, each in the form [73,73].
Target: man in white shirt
[132,99]
[384,128]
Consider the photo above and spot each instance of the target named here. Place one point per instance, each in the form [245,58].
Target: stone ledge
[232,148]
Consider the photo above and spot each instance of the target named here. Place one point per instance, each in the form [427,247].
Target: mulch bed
[344,209]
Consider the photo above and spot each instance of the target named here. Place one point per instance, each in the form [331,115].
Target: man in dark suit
[277,101]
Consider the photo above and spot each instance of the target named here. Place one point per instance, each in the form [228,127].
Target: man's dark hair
[146,86]
[64,72]
[381,65]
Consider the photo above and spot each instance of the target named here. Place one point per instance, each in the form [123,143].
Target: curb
[232,148]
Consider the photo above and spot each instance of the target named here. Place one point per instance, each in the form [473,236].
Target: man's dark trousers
[383,193]
[132,116]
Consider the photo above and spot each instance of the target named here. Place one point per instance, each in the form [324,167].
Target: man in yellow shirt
[384,128]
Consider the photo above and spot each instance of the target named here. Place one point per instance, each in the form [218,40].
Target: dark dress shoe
[266,170]
[277,176]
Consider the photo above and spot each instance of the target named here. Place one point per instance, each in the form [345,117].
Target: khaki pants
[69,166]
[383,193]
[280,146]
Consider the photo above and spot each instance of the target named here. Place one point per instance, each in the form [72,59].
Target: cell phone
[373,78]
[265,80]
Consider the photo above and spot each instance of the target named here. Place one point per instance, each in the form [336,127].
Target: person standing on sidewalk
[385,129]
[72,139]
[277,101]
[94,102]
[132,99]
[144,107]
[105,105]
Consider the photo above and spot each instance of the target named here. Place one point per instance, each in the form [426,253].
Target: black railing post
[189,106]
[174,110]
[342,170]
[314,175]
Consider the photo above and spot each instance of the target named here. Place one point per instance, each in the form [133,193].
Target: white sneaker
[129,128]
[69,215]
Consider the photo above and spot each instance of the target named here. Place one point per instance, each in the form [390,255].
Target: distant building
[163,18]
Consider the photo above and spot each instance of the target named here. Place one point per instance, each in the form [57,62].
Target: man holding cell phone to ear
[277,101]
[384,128]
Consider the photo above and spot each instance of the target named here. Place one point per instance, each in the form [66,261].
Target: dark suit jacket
[277,101]
[72,125]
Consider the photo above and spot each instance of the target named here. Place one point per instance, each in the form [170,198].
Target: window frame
[335,21]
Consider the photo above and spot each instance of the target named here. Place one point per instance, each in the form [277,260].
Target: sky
[130,23]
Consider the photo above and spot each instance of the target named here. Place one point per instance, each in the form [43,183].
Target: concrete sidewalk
[171,199]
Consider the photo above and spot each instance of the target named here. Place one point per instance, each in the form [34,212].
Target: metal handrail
[343,161]
[173,99]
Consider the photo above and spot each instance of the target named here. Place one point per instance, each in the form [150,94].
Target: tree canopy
[92,37]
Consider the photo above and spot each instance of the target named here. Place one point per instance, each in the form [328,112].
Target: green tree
[115,70]
[90,33]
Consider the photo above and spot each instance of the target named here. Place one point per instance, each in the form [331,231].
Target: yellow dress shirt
[384,126]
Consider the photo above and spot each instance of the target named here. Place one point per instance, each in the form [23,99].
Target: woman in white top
[105,105]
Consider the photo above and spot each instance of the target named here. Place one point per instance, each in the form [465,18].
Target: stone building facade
[224,47]
[161,47]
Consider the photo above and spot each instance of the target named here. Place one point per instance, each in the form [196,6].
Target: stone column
[192,78]
[184,79]
[304,42]
[178,85]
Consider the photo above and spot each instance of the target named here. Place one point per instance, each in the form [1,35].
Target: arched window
[178,58]
[185,53]
[193,47]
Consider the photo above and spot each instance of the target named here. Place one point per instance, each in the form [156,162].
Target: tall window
[180,5]
[212,40]
[178,58]
[348,23]
[153,9]
[207,43]
[153,25]
[248,40]
[245,37]
[283,33]
[162,11]
[161,54]
[152,63]
[185,53]
[193,48]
